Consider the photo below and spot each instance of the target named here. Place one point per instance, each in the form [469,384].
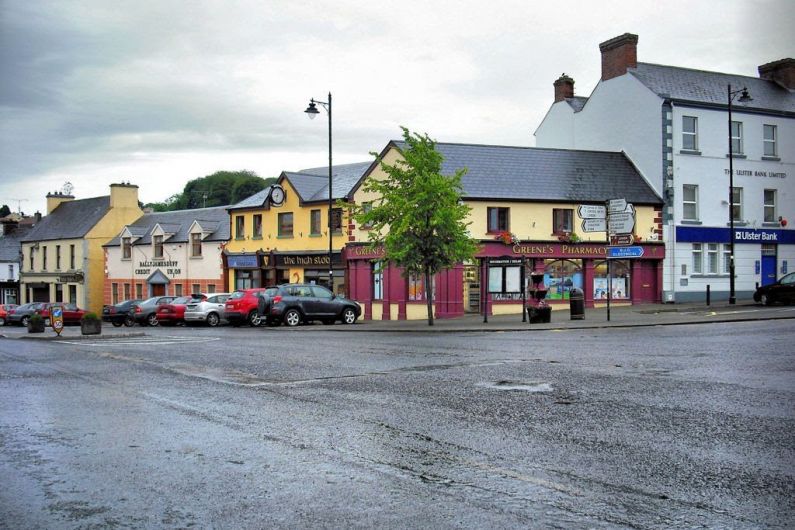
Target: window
[562,220]
[737,204]
[31,259]
[712,258]
[314,223]
[73,294]
[690,202]
[126,291]
[157,241]
[210,288]
[126,248]
[44,258]
[737,137]
[71,257]
[196,288]
[336,220]
[689,133]
[114,293]
[57,257]
[10,273]
[196,245]
[378,280]
[257,229]
[417,287]
[560,276]
[727,258]
[286,224]
[698,258]
[240,227]
[366,207]
[620,284]
[139,291]
[770,206]
[498,220]
[178,289]
[505,282]
[770,137]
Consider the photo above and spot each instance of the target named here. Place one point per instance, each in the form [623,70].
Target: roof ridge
[700,71]
[526,147]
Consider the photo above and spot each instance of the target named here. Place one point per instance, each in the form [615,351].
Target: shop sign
[244,261]
[305,260]
[700,234]
[749,173]
[71,278]
[505,261]
[363,251]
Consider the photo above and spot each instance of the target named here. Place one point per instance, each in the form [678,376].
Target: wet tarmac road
[674,427]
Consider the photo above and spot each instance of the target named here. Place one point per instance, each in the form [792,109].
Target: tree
[219,189]
[419,218]
[4,210]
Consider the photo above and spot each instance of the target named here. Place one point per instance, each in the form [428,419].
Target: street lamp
[744,97]
[312,111]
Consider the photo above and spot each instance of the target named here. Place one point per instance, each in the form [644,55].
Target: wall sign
[243,261]
[702,234]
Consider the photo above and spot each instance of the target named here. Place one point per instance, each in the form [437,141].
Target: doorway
[768,264]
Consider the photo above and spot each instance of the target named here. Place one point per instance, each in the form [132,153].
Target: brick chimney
[55,199]
[619,54]
[123,195]
[564,88]
[781,72]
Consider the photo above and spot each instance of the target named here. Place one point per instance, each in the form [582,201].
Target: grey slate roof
[180,222]
[698,86]
[11,244]
[344,178]
[255,201]
[71,219]
[540,174]
[577,102]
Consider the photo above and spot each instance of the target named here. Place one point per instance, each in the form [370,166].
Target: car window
[789,279]
[182,300]
[322,292]
[237,295]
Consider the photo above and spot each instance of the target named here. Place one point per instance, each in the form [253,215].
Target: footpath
[638,316]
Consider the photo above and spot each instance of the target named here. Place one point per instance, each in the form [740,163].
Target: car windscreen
[236,295]
[182,300]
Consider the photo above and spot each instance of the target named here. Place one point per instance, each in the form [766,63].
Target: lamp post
[744,97]
[312,111]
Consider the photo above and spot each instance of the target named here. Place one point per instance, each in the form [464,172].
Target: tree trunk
[429,295]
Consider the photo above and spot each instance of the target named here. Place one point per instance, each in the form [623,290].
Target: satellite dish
[67,188]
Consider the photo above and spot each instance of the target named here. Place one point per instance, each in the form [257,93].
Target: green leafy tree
[4,210]
[419,218]
[218,189]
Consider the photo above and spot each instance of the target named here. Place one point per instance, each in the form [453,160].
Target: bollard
[707,294]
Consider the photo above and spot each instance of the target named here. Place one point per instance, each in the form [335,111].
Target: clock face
[277,195]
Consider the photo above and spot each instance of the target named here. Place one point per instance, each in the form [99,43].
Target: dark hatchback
[781,291]
[297,303]
[120,314]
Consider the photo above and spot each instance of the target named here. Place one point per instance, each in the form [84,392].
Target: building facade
[673,123]
[167,253]
[62,256]
[11,235]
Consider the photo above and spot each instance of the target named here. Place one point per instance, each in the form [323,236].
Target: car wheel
[213,320]
[766,300]
[2,321]
[253,319]
[151,320]
[349,316]
[129,321]
[292,318]
[25,321]
[116,323]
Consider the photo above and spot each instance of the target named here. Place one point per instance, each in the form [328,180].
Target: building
[524,210]
[167,253]
[673,123]
[289,243]
[62,256]
[11,235]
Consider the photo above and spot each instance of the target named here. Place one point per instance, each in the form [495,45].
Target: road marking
[126,341]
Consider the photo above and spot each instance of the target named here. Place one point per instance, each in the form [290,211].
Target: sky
[160,92]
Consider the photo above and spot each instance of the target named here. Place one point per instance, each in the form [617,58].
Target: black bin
[577,304]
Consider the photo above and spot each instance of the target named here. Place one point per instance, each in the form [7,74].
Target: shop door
[768,270]
[648,283]
[158,289]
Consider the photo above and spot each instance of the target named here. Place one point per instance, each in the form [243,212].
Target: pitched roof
[180,222]
[709,88]
[577,102]
[255,201]
[70,220]
[314,181]
[11,244]
[540,174]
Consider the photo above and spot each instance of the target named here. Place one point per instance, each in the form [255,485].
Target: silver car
[210,311]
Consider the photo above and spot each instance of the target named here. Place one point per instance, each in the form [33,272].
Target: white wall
[4,272]
[557,127]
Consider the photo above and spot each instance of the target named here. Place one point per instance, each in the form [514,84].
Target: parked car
[4,309]
[781,291]
[173,313]
[145,313]
[295,303]
[241,306]
[210,311]
[71,313]
[20,315]
[120,314]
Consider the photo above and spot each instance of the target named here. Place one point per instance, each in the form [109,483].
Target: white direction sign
[621,223]
[594,225]
[617,205]
[590,211]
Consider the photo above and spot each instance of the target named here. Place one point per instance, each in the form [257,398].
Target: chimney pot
[619,54]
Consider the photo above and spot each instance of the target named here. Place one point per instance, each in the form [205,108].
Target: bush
[90,317]
[36,319]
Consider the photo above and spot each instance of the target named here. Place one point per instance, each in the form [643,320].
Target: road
[669,427]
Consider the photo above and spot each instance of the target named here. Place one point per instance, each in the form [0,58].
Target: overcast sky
[161,92]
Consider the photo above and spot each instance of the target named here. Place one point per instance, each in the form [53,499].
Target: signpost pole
[524,289]
[609,289]
[484,282]
[607,234]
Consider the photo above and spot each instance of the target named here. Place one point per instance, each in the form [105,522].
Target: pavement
[645,315]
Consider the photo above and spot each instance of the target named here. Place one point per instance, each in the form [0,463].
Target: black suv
[294,303]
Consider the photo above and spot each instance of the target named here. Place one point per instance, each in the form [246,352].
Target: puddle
[524,386]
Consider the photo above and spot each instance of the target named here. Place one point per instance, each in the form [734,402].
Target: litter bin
[577,304]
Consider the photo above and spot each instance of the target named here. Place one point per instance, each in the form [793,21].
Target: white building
[673,123]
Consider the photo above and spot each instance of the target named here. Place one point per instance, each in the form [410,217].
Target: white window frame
[686,202]
[737,148]
[713,258]
[769,206]
[698,258]
[737,201]
[771,142]
[727,258]
[690,133]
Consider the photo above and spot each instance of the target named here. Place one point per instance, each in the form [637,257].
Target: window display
[619,270]
[560,276]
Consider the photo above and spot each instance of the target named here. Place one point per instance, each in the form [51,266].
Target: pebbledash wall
[189,260]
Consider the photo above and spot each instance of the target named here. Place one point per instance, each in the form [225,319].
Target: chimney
[781,72]
[619,54]
[55,199]
[123,195]
[37,217]
[564,88]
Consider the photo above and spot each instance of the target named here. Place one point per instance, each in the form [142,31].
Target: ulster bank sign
[698,234]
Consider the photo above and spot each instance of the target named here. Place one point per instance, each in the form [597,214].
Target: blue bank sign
[705,234]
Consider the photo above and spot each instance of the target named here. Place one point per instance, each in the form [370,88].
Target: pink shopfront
[497,276]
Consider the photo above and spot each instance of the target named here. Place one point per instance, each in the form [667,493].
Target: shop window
[59,292]
[770,206]
[157,242]
[240,227]
[562,220]
[246,279]
[378,280]
[698,258]
[770,140]
[620,284]
[314,223]
[498,220]
[196,245]
[286,224]
[505,282]
[416,284]
[126,248]
[560,276]
[72,294]
[689,133]
[737,137]
[690,202]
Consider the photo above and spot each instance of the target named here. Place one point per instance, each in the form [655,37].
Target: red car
[173,313]
[4,308]
[242,307]
[71,313]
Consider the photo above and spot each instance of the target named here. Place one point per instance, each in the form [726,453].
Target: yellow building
[289,243]
[62,257]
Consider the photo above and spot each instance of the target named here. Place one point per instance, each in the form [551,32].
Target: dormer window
[157,243]
[196,245]
[126,248]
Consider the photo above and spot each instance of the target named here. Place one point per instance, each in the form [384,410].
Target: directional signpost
[621,223]
[591,211]
[620,228]
[624,252]
[621,240]
[594,225]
